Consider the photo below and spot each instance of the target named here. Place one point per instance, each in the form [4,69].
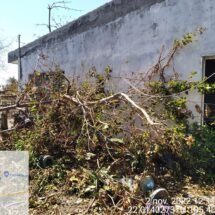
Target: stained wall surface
[128,36]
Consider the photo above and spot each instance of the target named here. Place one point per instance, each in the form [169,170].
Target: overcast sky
[23,16]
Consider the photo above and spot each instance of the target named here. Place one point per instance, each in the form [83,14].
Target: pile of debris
[124,150]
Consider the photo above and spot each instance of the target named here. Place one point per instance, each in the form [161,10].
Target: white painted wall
[132,43]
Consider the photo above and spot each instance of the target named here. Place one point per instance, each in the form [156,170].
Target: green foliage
[175,86]
[48,179]
[106,139]
[206,88]
[196,148]
[61,125]
[200,156]
[177,109]
[11,85]
[188,38]
[178,86]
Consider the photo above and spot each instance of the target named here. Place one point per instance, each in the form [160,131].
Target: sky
[26,17]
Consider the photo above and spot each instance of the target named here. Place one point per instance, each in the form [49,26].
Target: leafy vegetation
[11,85]
[103,143]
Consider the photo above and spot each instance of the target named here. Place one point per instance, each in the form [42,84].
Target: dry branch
[118,96]
[8,130]
[130,101]
[29,104]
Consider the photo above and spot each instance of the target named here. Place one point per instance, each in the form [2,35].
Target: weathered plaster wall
[131,42]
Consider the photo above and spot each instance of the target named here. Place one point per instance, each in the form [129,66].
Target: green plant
[97,136]
[200,155]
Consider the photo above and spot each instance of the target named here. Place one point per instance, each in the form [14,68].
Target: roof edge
[100,16]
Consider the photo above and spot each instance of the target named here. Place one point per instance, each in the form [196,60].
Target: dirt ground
[188,198]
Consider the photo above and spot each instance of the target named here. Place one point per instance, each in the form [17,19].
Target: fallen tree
[104,143]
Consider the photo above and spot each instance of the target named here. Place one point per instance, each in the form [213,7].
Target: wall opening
[209,99]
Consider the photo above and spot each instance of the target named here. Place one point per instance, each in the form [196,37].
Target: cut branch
[29,104]
[117,96]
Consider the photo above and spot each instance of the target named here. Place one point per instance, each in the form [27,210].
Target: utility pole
[49,21]
[19,59]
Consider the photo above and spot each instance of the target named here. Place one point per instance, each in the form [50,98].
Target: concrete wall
[127,35]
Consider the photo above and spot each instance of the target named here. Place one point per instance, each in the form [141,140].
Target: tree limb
[110,98]
[23,105]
